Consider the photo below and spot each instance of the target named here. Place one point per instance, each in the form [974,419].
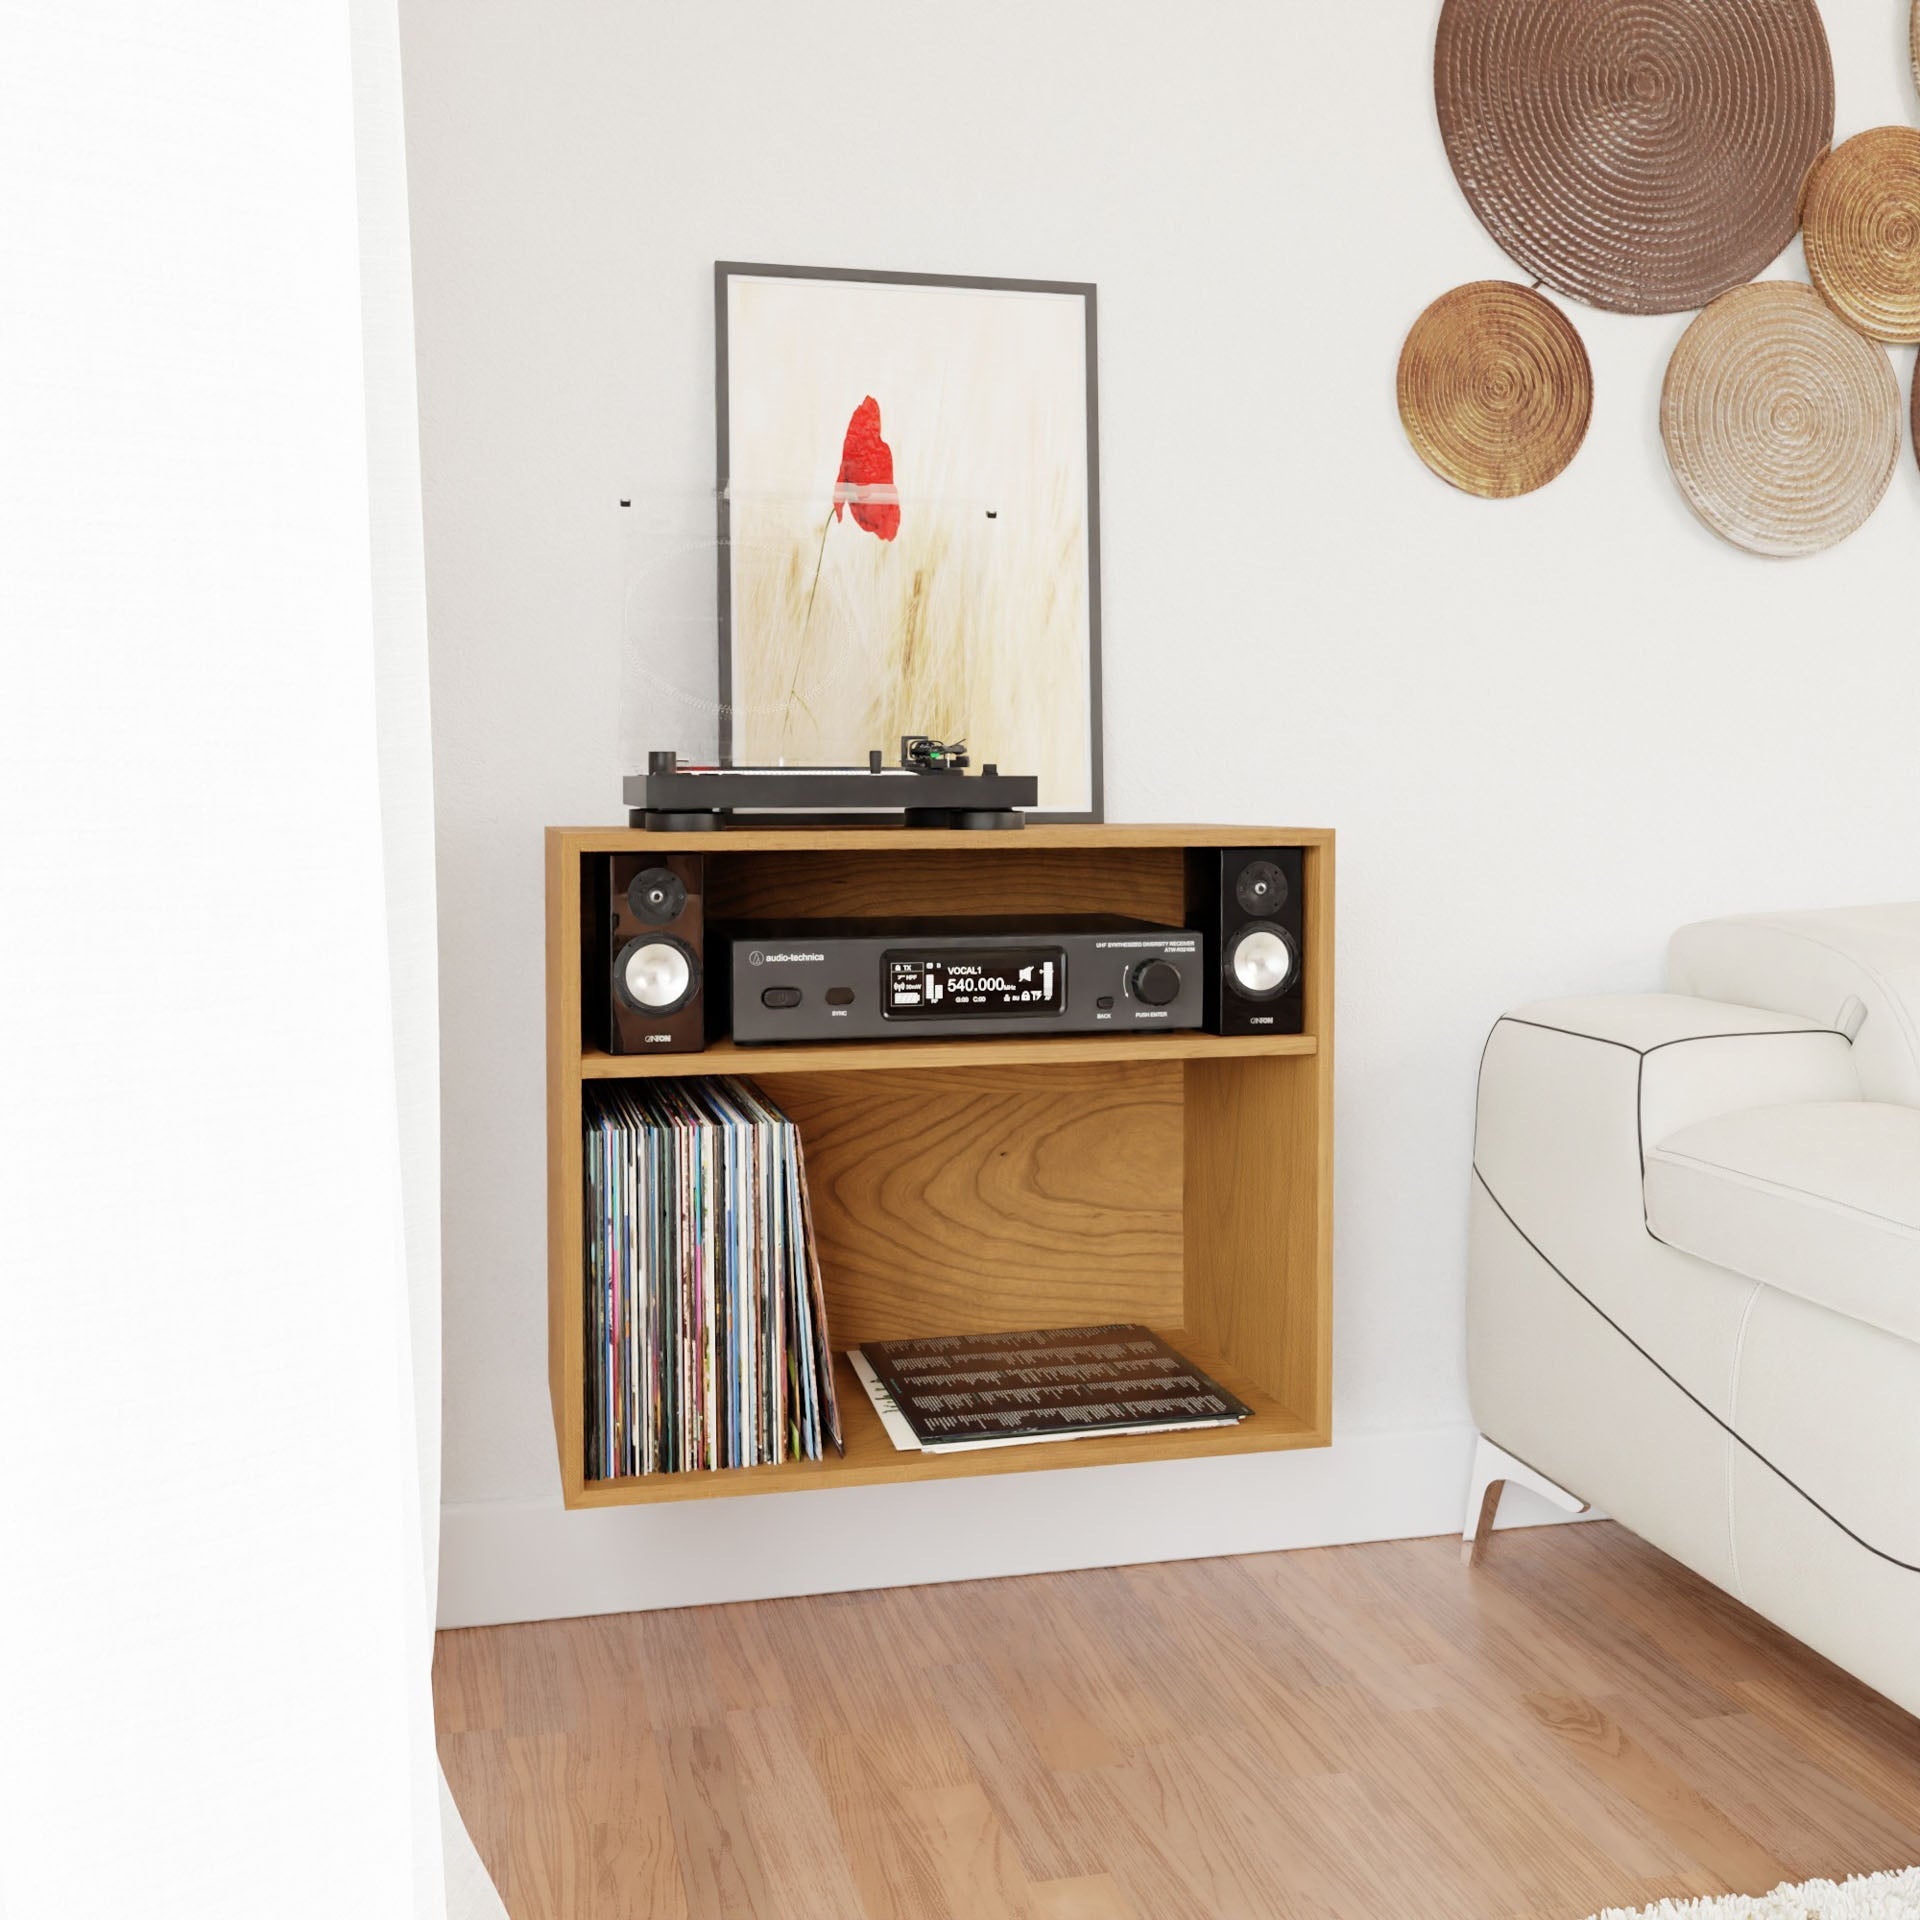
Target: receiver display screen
[992,983]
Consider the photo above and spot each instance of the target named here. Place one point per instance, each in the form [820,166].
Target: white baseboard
[532,1560]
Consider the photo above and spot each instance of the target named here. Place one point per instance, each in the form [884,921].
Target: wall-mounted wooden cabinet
[1184,1180]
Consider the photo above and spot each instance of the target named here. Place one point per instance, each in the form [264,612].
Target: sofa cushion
[1818,964]
[1820,1199]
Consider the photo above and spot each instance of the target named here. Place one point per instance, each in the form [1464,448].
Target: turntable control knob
[1157,982]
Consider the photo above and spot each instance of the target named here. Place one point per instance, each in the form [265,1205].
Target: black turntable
[931,787]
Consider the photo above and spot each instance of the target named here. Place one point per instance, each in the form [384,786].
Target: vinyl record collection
[707,1327]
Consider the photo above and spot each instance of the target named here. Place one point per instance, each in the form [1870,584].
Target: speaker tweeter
[656,895]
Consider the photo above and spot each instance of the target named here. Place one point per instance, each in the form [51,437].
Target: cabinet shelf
[861,1056]
[1183,1181]
[873,1460]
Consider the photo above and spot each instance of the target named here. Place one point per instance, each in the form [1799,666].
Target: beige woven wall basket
[1863,233]
[1640,155]
[1781,423]
[1495,389]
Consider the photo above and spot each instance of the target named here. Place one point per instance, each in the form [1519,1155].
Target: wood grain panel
[1017,1197]
[566,1172]
[720,1862]
[1251,1240]
[1028,1794]
[959,1056]
[1336,1734]
[1310,1250]
[871,1459]
[893,841]
[1734,1854]
[1259,1194]
[885,1847]
[1096,1896]
[788,1812]
[1145,882]
[978,1871]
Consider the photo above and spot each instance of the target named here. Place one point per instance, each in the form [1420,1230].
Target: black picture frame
[1085,291]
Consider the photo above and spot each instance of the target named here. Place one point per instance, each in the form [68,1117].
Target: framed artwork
[909,521]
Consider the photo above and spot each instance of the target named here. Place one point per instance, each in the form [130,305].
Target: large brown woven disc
[1641,155]
[1495,389]
[1863,232]
[1782,424]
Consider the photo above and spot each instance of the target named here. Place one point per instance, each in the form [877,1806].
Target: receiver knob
[1157,982]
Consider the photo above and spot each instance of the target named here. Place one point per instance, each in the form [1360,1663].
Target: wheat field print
[909,513]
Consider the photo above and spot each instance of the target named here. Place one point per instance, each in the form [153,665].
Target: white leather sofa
[1694,1294]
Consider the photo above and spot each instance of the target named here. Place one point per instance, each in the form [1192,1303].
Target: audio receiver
[925,979]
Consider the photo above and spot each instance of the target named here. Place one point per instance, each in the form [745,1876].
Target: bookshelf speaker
[647,953]
[1249,903]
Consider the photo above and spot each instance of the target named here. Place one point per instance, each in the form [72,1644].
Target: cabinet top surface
[891,839]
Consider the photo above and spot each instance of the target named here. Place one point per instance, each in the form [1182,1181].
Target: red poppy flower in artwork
[866,474]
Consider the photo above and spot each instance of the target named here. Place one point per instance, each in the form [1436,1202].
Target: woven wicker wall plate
[1495,389]
[1862,218]
[1782,424]
[1640,155]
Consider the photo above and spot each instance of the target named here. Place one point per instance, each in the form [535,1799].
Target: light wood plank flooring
[1361,1732]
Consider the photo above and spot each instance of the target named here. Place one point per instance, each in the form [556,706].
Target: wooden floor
[1367,1732]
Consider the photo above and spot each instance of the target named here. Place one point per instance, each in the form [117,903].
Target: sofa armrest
[1572,1092]
[1860,965]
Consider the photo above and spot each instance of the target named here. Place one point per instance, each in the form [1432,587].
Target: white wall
[1547,731]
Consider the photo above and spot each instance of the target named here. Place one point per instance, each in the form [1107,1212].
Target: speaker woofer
[656,974]
[1261,961]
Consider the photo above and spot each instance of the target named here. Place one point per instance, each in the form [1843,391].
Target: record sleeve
[962,1389]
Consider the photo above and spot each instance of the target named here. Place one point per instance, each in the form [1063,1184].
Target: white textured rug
[1883,1896]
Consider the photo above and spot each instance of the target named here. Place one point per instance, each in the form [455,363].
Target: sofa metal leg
[1493,1467]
